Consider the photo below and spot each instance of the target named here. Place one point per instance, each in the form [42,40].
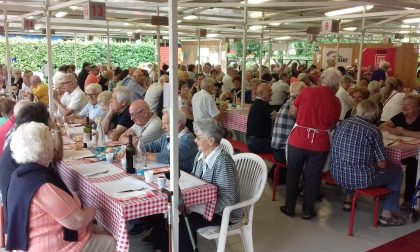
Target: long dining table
[113,213]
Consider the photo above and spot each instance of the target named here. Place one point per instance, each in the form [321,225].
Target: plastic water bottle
[100,136]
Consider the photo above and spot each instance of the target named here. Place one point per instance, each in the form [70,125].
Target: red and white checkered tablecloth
[400,151]
[113,213]
[235,119]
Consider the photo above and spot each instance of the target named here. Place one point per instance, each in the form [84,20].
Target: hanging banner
[372,57]
[345,58]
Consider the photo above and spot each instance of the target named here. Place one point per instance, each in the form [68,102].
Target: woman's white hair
[331,78]
[296,87]
[368,110]
[206,84]
[163,79]
[95,87]
[374,87]
[32,143]
[210,128]
[104,97]
[182,118]
[122,94]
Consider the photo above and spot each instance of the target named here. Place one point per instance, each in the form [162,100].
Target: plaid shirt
[356,149]
[282,126]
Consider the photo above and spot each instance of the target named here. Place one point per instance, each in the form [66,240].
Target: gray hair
[95,87]
[367,110]
[104,97]
[69,76]
[19,105]
[331,78]
[207,84]
[384,65]
[163,79]
[122,94]
[302,76]
[41,148]
[374,87]
[182,117]
[296,87]
[210,128]
[255,81]
[346,79]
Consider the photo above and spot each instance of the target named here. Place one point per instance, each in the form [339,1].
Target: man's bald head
[35,80]
[140,112]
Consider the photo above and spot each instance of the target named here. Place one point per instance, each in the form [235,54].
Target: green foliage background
[31,54]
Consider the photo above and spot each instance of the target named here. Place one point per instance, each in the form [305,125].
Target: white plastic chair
[227,146]
[252,174]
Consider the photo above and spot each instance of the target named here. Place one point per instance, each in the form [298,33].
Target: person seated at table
[280,91]
[213,165]
[259,124]
[344,96]
[32,112]
[147,125]
[358,161]
[104,99]
[118,120]
[46,216]
[407,123]
[282,127]
[39,90]
[358,94]
[159,148]
[251,95]
[236,82]
[392,99]
[73,100]
[93,109]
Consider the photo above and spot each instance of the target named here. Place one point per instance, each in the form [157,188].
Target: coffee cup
[161,181]
[148,176]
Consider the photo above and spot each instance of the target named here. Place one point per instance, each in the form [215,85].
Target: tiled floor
[274,231]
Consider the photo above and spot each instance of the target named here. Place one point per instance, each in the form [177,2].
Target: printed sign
[94,11]
[28,24]
[345,57]
[372,57]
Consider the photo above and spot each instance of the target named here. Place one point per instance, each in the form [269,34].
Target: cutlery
[96,173]
[132,190]
[391,143]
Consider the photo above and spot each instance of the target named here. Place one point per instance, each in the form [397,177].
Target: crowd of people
[301,115]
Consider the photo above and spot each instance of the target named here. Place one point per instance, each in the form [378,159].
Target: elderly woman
[407,123]
[358,161]
[358,94]
[93,109]
[104,99]
[392,99]
[251,95]
[374,88]
[159,148]
[46,216]
[236,81]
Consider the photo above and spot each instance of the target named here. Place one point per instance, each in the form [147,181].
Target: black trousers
[313,161]
[410,177]
[259,145]
[196,220]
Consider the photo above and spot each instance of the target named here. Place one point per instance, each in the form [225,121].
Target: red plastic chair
[2,233]
[238,146]
[328,179]
[375,193]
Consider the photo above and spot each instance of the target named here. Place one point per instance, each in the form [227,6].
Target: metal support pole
[158,45]
[173,117]
[108,55]
[244,45]
[270,49]
[337,50]
[261,46]
[220,52]
[75,50]
[199,53]
[8,63]
[47,15]
[359,61]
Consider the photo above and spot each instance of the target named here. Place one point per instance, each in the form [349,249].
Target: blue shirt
[282,126]
[136,90]
[357,147]
[93,111]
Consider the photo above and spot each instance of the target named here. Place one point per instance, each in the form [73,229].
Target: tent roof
[222,18]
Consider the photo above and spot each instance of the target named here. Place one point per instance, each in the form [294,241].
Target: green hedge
[31,54]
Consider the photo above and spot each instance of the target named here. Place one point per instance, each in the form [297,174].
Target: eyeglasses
[66,82]
[91,95]
[133,115]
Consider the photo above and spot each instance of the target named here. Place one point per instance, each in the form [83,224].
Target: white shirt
[280,91]
[345,101]
[203,105]
[210,159]
[227,84]
[393,106]
[75,101]
[152,96]
[25,88]
[151,131]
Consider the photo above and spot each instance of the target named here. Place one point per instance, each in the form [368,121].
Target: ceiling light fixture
[73,7]
[411,20]
[256,27]
[404,26]
[274,24]
[212,35]
[30,17]
[352,28]
[283,38]
[404,32]
[60,14]
[255,14]
[190,17]
[348,10]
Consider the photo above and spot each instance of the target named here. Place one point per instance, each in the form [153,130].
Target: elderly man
[73,100]
[227,80]
[280,91]
[187,146]
[93,109]
[117,120]
[203,103]
[259,124]
[138,84]
[343,95]
[317,111]
[92,76]
[147,125]
[358,160]
[380,73]
[39,90]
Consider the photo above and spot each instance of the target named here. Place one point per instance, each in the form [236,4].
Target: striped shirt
[222,173]
[282,126]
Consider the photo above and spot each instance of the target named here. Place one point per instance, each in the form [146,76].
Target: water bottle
[100,136]
[234,99]
[141,159]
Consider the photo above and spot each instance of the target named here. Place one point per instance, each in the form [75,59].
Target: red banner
[372,57]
